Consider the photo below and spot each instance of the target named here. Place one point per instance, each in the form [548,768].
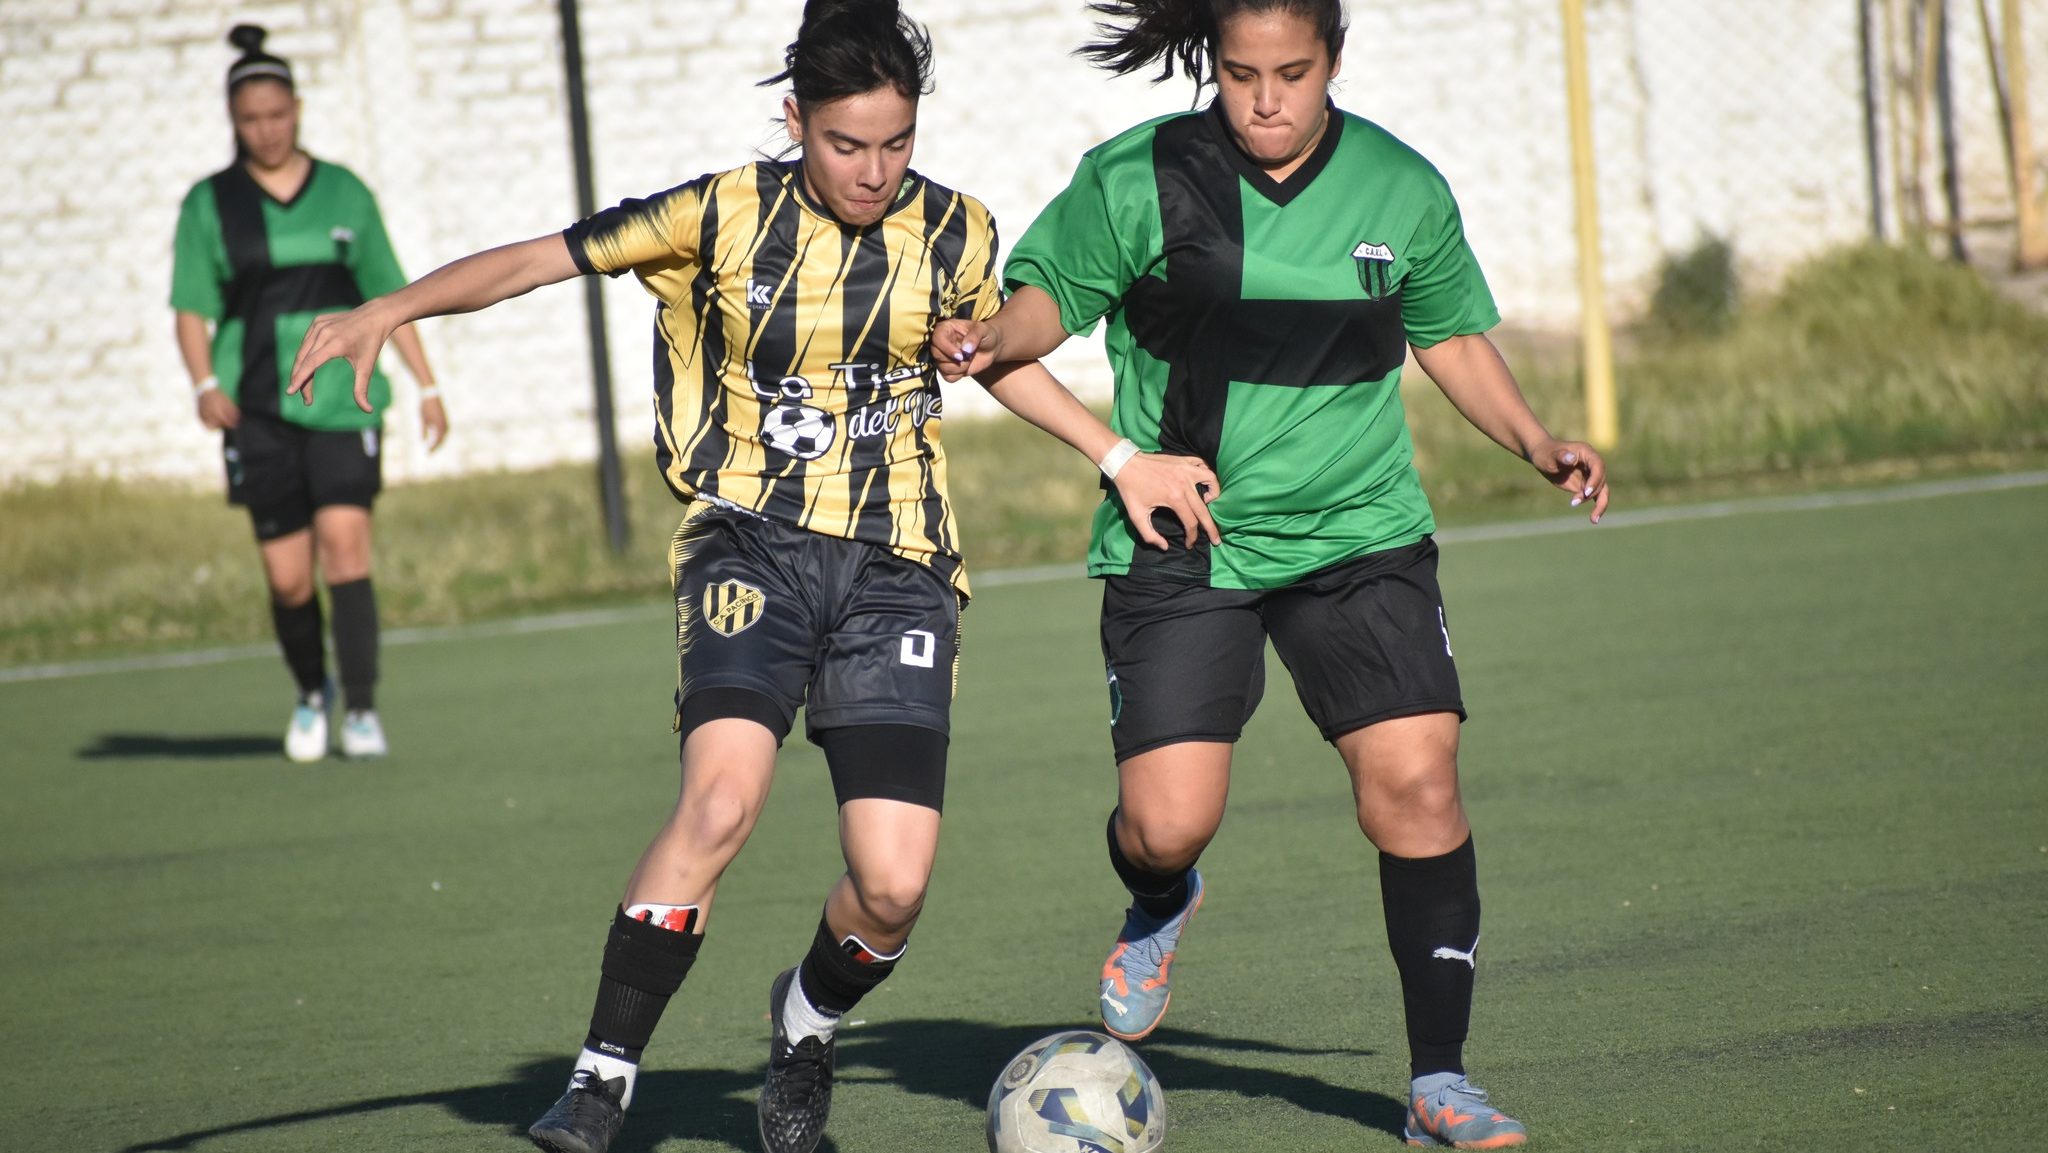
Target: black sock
[1158,894]
[355,641]
[1432,907]
[644,965]
[838,972]
[305,651]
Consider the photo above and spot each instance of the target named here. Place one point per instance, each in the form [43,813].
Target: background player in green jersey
[1266,264]
[263,247]
[790,289]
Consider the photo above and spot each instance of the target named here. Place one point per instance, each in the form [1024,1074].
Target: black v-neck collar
[312,171]
[1279,192]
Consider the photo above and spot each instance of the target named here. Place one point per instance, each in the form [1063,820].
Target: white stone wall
[1739,117]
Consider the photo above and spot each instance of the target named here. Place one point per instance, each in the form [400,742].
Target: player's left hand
[1575,467]
[433,423]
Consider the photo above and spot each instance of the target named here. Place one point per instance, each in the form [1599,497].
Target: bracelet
[431,392]
[1116,458]
[205,386]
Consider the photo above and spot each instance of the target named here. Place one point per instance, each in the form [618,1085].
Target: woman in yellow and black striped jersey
[797,415]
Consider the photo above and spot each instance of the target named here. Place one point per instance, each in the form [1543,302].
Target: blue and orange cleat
[1135,986]
[1446,1109]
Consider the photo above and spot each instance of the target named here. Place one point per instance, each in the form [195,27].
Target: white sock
[802,1019]
[608,1067]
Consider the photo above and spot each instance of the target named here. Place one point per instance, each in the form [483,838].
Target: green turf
[1762,825]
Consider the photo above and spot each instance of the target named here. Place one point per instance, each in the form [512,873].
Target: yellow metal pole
[1602,426]
[2033,239]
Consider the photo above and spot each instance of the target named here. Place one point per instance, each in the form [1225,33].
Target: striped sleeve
[980,283]
[644,235]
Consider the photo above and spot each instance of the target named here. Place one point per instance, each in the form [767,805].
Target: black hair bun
[248,37]
[880,11]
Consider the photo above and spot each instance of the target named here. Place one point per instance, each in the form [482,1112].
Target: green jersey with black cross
[261,269]
[1262,326]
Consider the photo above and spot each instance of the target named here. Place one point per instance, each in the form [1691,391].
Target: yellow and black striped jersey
[792,373]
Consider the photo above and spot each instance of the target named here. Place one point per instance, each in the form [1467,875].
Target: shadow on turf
[950,1060]
[160,747]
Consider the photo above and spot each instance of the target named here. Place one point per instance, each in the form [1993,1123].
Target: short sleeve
[980,288]
[370,258]
[661,230]
[1074,253]
[197,269]
[1445,293]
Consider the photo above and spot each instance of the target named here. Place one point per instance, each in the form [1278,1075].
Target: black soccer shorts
[282,473]
[770,617]
[1366,641]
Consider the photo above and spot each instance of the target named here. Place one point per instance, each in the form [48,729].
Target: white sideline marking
[1513,530]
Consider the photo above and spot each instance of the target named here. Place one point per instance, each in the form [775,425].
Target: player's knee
[1165,845]
[717,821]
[1421,793]
[891,899]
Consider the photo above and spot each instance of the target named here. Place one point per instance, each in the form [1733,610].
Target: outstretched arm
[1026,328]
[467,285]
[1470,371]
[1183,485]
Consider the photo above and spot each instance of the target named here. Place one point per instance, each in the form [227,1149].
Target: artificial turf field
[1763,837]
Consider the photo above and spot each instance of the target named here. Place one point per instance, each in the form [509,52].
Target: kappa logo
[1375,267]
[732,607]
[759,295]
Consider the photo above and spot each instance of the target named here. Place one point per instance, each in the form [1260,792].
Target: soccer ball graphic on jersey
[798,430]
[1076,1093]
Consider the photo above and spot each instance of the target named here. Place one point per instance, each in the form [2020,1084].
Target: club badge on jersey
[1375,269]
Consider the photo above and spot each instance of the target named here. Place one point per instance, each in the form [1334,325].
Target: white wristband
[431,392]
[1115,459]
[204,387]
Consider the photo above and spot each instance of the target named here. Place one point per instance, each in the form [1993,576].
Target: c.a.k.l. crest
[1375,269]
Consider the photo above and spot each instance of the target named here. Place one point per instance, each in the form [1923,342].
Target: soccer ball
[798,430]
[1076,1093]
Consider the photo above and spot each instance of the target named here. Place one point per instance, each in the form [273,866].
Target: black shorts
[1366,641]
[854,633]
[281,472]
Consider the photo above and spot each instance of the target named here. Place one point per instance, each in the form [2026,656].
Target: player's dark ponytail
[847,47]
[1181,35]
[255,63]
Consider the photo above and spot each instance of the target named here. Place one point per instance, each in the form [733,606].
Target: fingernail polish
[1577,501]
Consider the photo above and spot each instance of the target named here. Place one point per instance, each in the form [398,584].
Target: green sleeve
[1075,253]
[198,266]
[1445,294]
[370,258]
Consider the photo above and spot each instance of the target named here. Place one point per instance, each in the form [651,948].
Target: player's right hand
[356,336]
[965,347]
[1182,485]
[216,411]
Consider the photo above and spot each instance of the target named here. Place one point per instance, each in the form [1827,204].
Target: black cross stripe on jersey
[258,293]
[1196,321]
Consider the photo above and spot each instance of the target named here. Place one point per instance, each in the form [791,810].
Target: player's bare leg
[727,767]
[1404,777]
[1170,803]
[889,846]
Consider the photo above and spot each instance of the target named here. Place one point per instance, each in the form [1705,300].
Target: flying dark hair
[255,63]
[1182,35]
[847,47]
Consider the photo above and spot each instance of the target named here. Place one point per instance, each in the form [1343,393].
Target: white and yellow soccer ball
[1076,1092]
[799,430]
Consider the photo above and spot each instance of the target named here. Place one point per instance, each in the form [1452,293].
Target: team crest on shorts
[732,607]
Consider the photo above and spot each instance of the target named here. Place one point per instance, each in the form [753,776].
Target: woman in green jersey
[818,563]
[263,247]
[1266,264]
